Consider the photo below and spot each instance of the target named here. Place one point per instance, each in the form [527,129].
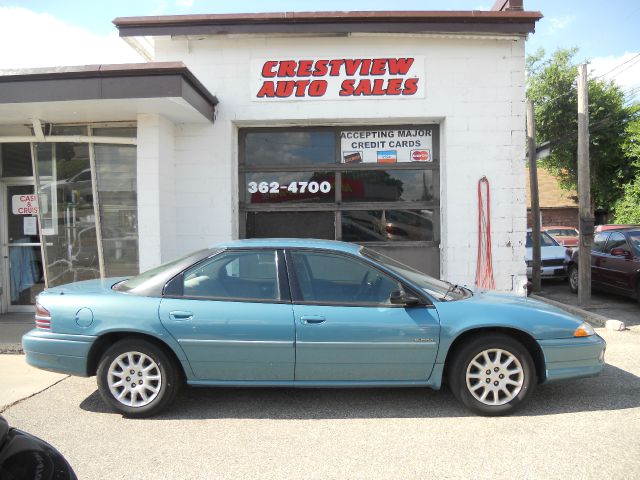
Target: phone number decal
[293,187]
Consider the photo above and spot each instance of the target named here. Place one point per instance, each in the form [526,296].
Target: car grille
[553,262]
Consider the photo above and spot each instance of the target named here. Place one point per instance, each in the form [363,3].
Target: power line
[617,66]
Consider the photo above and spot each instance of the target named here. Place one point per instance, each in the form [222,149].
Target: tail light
[391,230]
[43,317]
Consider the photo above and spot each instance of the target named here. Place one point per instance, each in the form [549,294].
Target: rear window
[138,280]
[545,240]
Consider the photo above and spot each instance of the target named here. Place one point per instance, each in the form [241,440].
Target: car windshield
[439,289]
[563,232]
[545,240]
[138,280]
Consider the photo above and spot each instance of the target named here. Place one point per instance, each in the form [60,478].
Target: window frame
[337,206]
[607,251]
[296,291]
[174,288]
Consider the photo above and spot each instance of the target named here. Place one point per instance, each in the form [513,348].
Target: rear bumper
[57,352]
[573,357]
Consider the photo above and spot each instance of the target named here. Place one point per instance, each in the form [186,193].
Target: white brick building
[187,179]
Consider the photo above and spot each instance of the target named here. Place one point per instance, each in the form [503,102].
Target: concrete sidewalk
[12,327]
[19,380]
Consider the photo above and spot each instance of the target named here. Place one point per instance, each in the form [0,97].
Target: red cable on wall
[484,268]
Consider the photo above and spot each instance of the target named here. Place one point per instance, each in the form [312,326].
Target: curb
[593,318]
[11,348]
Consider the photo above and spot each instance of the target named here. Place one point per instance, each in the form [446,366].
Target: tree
[627,208]
[551,85]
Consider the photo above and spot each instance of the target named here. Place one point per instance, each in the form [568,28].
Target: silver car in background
[554,257]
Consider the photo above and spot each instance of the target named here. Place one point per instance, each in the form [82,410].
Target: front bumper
[549,272]
[57,352]
[575,357]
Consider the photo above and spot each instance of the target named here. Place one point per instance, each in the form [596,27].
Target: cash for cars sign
[386,146]
[337,78]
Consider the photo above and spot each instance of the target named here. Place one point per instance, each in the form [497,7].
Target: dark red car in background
[615,262]
[565,236]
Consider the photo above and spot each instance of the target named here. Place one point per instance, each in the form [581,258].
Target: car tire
[507,386]
[137,378]
[573,278]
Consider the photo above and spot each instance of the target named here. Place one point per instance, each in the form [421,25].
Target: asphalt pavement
[587,429]
[608,305]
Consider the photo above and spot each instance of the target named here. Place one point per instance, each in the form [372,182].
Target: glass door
[23,275]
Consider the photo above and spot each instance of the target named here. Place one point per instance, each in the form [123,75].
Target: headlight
[584,330]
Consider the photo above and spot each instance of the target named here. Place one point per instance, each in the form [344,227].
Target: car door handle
[313,319]
[180,316]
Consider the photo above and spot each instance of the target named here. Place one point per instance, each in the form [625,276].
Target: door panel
[233,340]
[365,343]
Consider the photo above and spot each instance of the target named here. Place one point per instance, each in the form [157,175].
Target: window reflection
[388,186]
[117,191]
[387,225]
[289,148]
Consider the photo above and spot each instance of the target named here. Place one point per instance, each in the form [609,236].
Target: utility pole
[584,191]
[535,201]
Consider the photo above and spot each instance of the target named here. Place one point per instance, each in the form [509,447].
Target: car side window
[325,277]
[616,240]
[598,241]
[250,275]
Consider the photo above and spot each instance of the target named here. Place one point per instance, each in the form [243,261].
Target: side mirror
[399,297]
[621,252]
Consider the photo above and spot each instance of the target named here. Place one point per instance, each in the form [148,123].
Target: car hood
[100,285]
[547,253]
[489,309]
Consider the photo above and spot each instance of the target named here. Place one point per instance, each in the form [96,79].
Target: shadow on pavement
[614,389]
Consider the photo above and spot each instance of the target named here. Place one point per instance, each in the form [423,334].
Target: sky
[43,33]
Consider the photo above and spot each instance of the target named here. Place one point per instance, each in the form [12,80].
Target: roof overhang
[105,93]
[502,22]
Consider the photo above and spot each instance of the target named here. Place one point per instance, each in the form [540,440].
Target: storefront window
[117,192]
[387,225]
[68,221]
[291,224]
[377,184]
[70,230]
[289,148]
[388,186]
[15,160]
[288,187]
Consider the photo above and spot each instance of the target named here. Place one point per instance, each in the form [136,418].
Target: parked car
[23,456]
[611,226]
[553,257]
[303,313]
[615,263]
[565,236]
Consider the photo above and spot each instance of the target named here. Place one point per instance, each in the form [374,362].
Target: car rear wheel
[573,278]
[492,375]
[137,378]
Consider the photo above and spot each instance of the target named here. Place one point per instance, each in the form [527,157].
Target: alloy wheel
[494,376]
[134,379]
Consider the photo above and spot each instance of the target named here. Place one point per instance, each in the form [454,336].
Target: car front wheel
[137,378]
[492,375]
[573,278]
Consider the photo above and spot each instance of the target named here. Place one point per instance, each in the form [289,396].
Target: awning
[104,93]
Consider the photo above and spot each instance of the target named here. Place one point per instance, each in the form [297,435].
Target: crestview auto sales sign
[337,78]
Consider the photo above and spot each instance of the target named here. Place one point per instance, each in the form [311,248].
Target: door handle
[180,316]
[312,319]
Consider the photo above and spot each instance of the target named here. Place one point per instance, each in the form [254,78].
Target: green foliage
[551,85]
[627,208]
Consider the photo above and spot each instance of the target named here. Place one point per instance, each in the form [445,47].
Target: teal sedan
[303,313]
